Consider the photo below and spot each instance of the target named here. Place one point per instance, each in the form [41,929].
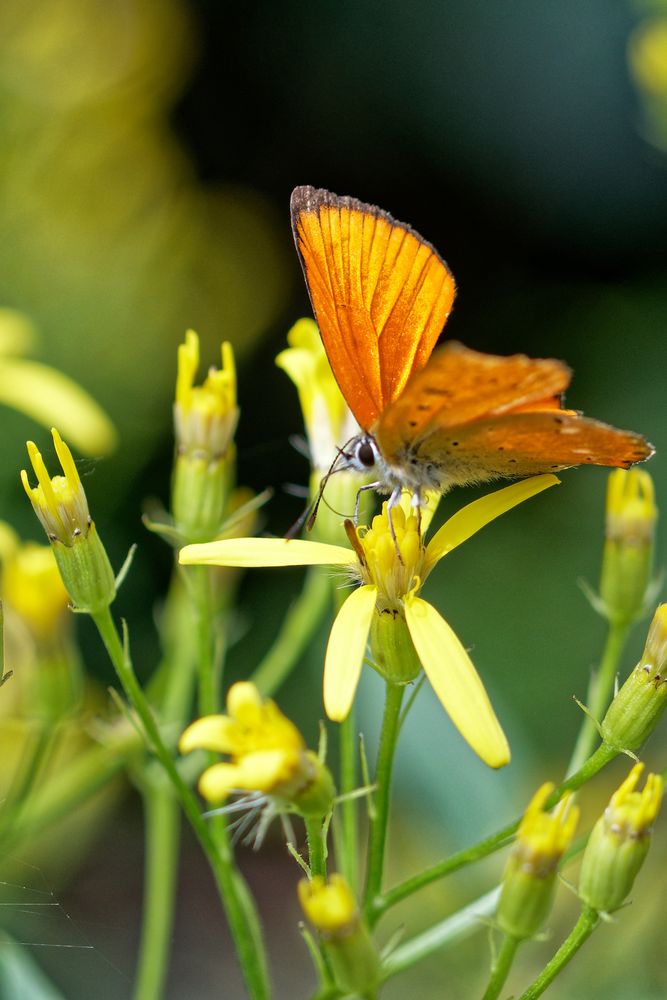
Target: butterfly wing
[459,385]
[470,417]
[527,444]
[380,294]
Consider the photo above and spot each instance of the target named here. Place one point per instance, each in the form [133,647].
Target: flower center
[392,563]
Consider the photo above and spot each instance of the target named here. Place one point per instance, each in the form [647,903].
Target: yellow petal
[456,682]
[345,651]
[49,397]
[208,733]
[218,781]
[264,771]
[468,521]
[267,552]
[241,694]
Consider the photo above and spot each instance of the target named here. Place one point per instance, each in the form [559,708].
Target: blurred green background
[149,148]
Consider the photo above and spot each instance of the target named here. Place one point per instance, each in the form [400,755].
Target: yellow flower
[543,837]
[648,55]
[61,505]
[390,583]
[268,754]
[32,586]
[619,842]
[205,419]
[631,510]
[530,876]
[46,394]
[329,424]
[331,908]
[627,564]
[326,415]
[329,905]
[59,502]
[205,416]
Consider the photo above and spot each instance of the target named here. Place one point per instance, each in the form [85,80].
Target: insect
[430,419]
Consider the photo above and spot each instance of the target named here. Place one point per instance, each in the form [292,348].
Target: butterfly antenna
[304,517]
[309,516]
[341,453]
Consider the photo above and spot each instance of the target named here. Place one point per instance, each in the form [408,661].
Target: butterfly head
[362,453]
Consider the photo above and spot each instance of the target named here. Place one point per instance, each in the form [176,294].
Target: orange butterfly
[381,295]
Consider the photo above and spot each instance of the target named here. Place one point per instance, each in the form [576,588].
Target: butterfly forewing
[381,295]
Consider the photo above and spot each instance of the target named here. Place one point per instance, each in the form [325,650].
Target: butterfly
[430,419]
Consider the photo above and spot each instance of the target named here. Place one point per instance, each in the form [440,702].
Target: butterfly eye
[365,454]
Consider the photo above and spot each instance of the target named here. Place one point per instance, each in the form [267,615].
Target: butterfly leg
[392,502]
[362,489]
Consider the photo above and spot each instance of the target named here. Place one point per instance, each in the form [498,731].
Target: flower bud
[205,419]
[332,910]
[61,505]
[619,842]
[627,563]
[636,710]
[530,876]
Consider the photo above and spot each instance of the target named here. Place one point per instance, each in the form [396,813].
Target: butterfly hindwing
[526,444]
[380,293]
[459,385]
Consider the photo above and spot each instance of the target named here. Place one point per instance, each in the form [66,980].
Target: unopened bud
[619,842]
[331,908]
[530,876]
[637,708]
[61,505]
[627,563]
[205,419]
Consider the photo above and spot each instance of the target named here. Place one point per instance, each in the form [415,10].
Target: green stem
[233,892]
[599,692]
[582,930]
[383,772]
[160,879]
[209,665]
[347,840]
[490,844]
[449,931]
[161,809]
[316,846]
[296,632]
[501,967]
